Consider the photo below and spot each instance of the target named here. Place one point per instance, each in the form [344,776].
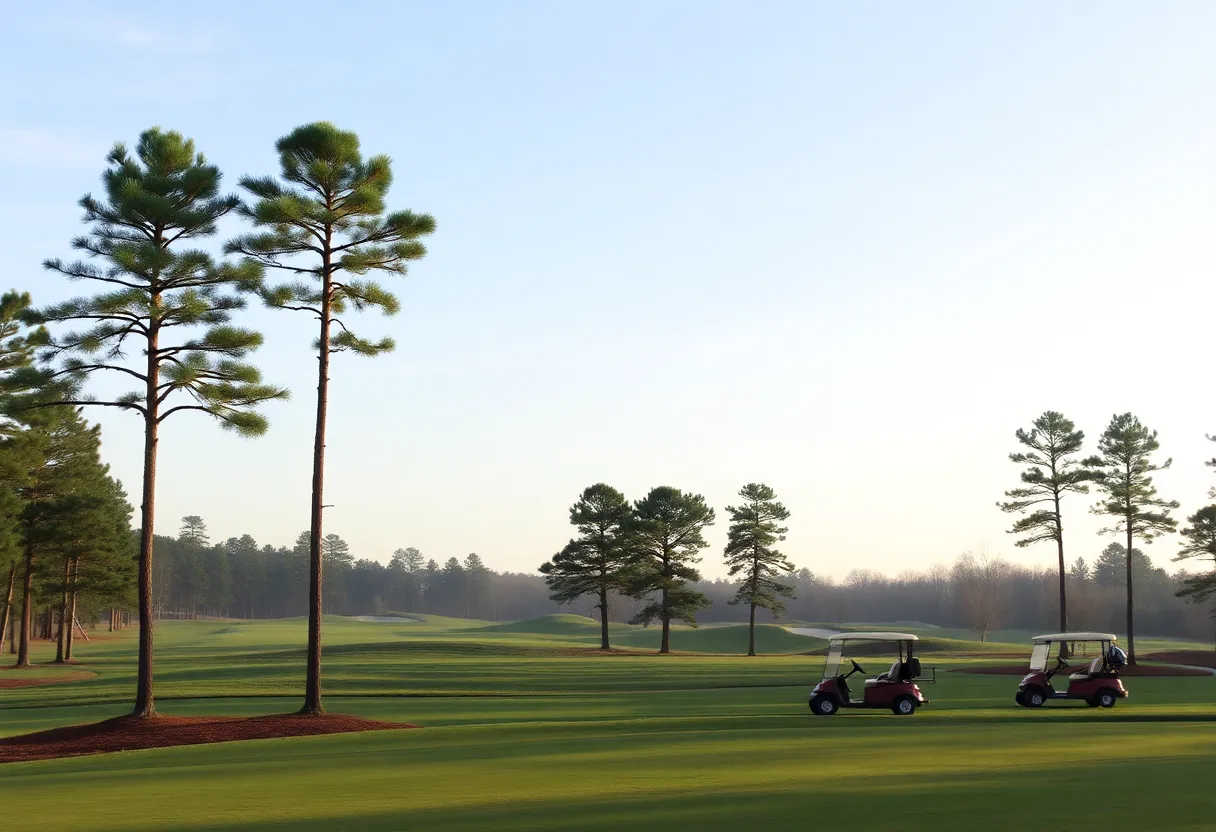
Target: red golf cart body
[1094,680]
[894,690]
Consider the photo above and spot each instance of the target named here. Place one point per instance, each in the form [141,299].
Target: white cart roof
[874,637]
[1075,637]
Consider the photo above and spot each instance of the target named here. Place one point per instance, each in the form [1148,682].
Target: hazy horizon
[843,252]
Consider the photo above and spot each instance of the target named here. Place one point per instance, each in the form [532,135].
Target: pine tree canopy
[329,221]
[1125,452]
[755,528]
[668,534]
[1051,473]
[164,195]
[592,563]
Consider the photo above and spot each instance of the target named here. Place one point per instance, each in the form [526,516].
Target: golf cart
[894,689]
[1096,658]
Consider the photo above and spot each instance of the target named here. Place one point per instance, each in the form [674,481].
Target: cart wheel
[823,705]
[1017,697]
[1093,703]
[1034,698]
[904,706]
[1106,699]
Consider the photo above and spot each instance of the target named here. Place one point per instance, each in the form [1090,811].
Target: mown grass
[528,729]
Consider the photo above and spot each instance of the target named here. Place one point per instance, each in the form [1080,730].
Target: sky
[842,249]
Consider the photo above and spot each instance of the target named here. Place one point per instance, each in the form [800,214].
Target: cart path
[813,632]
[385,619]
[1207,670]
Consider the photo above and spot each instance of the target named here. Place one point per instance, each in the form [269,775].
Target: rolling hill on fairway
[730,639]
[551,625]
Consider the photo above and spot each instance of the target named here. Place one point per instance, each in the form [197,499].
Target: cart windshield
[873,647]
[1073,652]
[832,666]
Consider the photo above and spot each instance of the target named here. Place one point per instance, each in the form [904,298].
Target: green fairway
[527,728]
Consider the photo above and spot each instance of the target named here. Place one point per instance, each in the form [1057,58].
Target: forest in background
[239,578]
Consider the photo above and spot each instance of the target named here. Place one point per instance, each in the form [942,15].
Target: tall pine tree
[151,287]
[1052,444]
[594,562]
[755,526]
[668,529]
[1126,450]
[326,220]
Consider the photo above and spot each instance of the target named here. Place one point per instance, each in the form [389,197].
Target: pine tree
[155,203]
[1052,441]
[1200,543]
[328,222]
[406,565]
[1126,450]
[62,452]
[668,531]
[17,347]
[1211,463]
[337,559]
[755,526]
[595,562]
[477,578]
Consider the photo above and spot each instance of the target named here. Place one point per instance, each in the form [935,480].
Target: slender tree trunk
[312,685]
[1063,570]
[8,603]
[751,632]
[27,612]
[1131,638]
[145,701]
[62,636]
[665,644]
[72,623]
[603,618]
[12,637]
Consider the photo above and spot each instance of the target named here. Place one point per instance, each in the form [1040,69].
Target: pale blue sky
[844,249]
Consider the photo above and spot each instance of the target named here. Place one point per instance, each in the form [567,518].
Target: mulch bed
[1138,670]
[127,733]
[15,682]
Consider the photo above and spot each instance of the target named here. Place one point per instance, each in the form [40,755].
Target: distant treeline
[241,579]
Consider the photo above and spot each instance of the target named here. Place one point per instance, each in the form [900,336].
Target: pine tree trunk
[8,603]
[145,702]
[12,637]
[27,612]
[312,685]
[1060,547]
[1131,638]
[71,640]
[751,631]
[665,643]
[62,636]
[603,619]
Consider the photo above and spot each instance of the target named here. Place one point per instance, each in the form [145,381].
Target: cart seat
[895,674]
[1095,667]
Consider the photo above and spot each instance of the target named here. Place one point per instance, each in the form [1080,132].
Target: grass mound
[562,624]
[728,639]
[128,734]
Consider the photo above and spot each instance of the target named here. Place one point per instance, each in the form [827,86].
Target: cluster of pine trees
[166,315]
[648,550]
[1122,471]
[65,546]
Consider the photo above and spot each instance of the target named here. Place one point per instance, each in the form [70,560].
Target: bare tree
[980,587]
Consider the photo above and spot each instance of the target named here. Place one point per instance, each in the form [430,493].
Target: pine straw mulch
[1140,670]
[13,677]
[127,733]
